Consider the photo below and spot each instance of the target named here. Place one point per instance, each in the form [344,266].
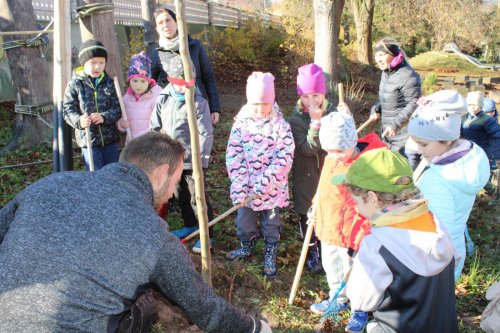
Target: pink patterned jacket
[258,158]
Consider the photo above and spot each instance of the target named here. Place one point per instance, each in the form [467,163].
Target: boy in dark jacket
[90,101]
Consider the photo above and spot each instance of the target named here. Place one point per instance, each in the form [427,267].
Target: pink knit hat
[260,88]
[311,80]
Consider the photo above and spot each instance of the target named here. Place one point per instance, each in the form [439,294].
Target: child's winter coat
[258,159]
[484,131]
[170,117]
[139,110]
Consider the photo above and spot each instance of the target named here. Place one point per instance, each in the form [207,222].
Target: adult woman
[166,26]
[399,90]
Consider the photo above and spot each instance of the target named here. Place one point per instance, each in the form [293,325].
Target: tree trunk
[150,34]
[327,15]
[101,26]
[29,73]
[363,18]
[201,205]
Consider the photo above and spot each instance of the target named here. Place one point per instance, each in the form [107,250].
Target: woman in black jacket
[166,26]
[399,90]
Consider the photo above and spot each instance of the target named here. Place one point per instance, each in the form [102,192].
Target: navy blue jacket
[205,79]
[484,131]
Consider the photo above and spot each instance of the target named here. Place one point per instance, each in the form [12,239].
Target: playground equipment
[453,48]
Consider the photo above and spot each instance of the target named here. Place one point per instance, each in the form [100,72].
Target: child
[338,226]
[403,271]
[309,158]
[258,159]
[458,169]
[91,101]
[170,117]
[483,130]
[490,108]
[140,98]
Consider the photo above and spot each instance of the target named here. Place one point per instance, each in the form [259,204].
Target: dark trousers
[186,198]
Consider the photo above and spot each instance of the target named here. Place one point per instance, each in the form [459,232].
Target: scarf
[169,44]
[400,212]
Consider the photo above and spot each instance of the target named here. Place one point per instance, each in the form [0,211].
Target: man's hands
[215,117]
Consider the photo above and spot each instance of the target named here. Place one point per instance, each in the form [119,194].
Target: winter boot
[270,259]
[312,259]
[244,251]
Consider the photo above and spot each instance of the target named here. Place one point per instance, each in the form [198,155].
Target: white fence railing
[128,12]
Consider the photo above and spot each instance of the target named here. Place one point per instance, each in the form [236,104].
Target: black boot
[312,260]
[244,251]
[270,259]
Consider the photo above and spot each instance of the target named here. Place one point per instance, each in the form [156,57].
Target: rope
[93,8]
[31,163]
[36,41]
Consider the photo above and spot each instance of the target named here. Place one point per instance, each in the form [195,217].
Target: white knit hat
[475,98]
[338,131]
[438,117]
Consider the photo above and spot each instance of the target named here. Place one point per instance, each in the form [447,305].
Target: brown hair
[149,151]
[161,10]
[384,197]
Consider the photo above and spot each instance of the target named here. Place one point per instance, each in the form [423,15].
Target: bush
[430,84]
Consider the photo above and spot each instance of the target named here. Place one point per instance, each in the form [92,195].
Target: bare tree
[327,14]
[150,34]
[30,74]
[362,11]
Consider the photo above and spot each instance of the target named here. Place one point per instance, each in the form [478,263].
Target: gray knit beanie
[438,117]
[91,48]
[338,131]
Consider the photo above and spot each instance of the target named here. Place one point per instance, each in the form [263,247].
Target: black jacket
[205,79]
[399,90]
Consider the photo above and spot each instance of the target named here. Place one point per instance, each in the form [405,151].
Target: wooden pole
[201,206]
[150,34]
[61,75]
[341,92]
[122,105]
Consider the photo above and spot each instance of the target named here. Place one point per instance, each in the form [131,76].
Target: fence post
[210,12]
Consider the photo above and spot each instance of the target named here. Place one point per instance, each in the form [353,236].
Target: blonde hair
[384,197]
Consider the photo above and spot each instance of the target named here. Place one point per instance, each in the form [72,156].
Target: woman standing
[166,26]
[399,90]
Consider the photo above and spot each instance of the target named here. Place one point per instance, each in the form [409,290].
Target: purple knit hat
[140,66]
[311,80]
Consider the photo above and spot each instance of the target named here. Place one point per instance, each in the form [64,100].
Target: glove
[264,327]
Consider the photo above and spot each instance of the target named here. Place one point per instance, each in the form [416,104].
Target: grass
[448,64]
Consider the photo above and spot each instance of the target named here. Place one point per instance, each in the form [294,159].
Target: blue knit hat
[489,105]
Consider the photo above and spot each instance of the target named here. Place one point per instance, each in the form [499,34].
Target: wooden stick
[302,260]
[218,219]
[122,105]
[364,125]
[419,170]
[303,253]
[340,87]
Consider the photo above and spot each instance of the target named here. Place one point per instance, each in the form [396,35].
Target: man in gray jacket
[76,246]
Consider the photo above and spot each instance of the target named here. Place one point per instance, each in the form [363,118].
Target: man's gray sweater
[75,246]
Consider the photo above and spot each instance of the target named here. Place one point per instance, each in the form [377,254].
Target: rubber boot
[312,259]
[270,259]
[244,251]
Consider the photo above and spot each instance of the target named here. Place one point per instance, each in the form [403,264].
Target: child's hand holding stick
[122,105]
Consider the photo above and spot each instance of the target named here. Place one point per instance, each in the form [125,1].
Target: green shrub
[430,83]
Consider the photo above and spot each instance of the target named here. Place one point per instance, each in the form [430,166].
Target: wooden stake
[201,206]
[122,105]
[341,92]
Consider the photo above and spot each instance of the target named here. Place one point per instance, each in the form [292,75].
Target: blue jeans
[102,156]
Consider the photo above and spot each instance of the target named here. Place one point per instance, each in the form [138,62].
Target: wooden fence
[128,12]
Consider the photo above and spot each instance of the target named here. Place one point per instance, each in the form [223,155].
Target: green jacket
[308,159]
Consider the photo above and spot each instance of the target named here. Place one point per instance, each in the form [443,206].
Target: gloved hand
[264,327]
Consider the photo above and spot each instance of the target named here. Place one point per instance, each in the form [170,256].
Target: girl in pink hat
[258,158]
[140,98]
